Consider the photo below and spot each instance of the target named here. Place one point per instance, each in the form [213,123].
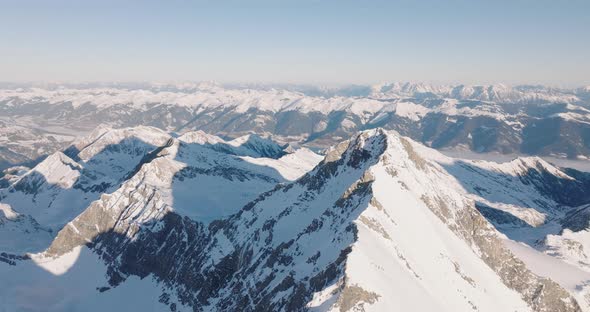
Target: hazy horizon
[255,85]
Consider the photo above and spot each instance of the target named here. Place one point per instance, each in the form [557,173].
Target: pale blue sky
[338,42]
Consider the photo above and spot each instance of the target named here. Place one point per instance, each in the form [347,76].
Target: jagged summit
[199,137]
[134,139]
[248,145]
[57,169]
[258,146]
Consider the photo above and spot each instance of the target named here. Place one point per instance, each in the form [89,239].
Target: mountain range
[141,218]
[529,120]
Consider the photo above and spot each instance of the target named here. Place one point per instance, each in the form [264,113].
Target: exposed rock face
[541,293]
[355,297]
[577,219]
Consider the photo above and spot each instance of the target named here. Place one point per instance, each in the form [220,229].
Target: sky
[311,42]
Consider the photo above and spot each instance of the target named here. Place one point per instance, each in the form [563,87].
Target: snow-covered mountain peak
[493,93]
[390,150]
[52,162]
[388,146]
[366,146]
[261,147]
[206,86]
[251,137]
[57,169]
[392,191]
[199,137]
[134,140]
[250,145]
[408,88]
[525,164]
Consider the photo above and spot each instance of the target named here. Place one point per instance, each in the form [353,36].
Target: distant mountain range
[142,219]
[532,120]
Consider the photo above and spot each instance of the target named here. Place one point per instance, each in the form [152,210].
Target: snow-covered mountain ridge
[381,223]
[276,100]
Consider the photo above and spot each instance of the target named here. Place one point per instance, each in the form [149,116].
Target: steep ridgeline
[381,224]
[63,185]
[196,164]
